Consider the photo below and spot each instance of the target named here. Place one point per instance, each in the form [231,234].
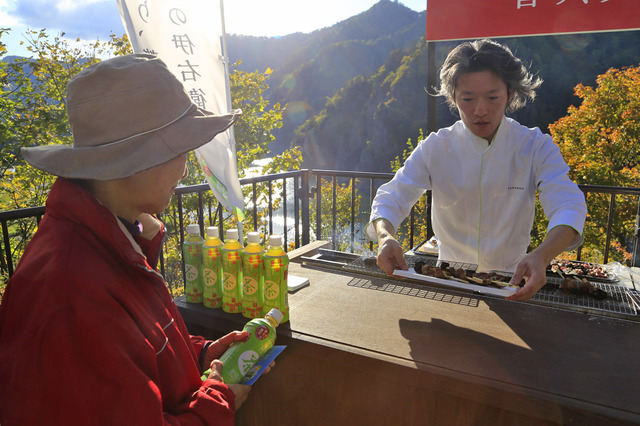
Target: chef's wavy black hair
[487,55]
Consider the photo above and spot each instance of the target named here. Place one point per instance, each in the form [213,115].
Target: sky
[96,19]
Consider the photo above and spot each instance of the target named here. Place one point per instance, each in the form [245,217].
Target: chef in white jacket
[484,172]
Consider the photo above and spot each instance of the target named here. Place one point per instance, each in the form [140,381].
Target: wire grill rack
[620,301]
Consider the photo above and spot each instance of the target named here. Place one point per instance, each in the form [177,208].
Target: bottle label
[252,272]
[229,281]
[232,266]
[271,290]
[212,262]
[232,281]
[192,254]
[262,332]
[210,277]
[275,285]
[191,272]
[250,286]
[246,360]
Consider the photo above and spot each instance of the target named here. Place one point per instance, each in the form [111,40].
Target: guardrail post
[8,266]
[635,258]
[305,194]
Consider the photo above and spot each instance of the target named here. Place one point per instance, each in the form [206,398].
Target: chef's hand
[240,391]
[390,256]
[533,269]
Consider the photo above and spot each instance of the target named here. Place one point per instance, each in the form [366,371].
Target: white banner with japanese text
[187,36]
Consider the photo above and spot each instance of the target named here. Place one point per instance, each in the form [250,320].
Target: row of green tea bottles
[234,277]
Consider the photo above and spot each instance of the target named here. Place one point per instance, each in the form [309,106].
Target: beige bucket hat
[127,114]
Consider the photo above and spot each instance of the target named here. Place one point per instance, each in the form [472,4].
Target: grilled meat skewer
[583,286]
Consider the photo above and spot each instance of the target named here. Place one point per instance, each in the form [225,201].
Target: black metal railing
[336,189]
[296,183]
[361,184]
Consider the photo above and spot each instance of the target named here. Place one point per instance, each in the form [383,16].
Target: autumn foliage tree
[600,140]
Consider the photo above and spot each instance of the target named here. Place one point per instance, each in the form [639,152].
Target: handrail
[6,261]
[615,190]
[302,192]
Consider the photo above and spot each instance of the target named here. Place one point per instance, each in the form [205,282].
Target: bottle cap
[275,314]
[232,234]
[193,229]
[212,231]
[275,240]
[253,237]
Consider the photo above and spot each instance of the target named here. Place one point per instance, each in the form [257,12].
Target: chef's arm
[534,265]
[390,256]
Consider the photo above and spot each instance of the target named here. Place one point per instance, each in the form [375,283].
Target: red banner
[465,19]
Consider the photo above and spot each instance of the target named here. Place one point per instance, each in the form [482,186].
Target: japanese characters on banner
[186,35]
[466,19]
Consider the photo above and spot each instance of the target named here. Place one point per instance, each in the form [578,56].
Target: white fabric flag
[187,36]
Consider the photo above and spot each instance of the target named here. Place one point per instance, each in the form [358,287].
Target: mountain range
[357,91]
[310,68]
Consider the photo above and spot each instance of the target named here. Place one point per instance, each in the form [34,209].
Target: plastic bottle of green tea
[238,360]
[232,272]
[276,269]
[192,256]
[212,268]
[252,277]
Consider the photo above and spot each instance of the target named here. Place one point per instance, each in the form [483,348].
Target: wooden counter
[365,350]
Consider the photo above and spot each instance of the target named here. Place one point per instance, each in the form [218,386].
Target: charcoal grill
[621,302]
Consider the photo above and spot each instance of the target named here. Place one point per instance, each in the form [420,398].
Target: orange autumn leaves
[600,140]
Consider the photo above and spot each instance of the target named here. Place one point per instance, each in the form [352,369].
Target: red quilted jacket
[89,333]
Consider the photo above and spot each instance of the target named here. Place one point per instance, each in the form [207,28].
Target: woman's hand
[215,351]
[220,346]
[150,226]
[240,391]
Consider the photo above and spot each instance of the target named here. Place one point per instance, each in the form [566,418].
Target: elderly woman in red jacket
[88,331]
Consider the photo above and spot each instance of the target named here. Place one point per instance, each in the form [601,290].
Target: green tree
[32,112]
[336,200]
[420,208]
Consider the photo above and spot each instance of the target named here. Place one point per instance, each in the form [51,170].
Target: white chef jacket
[484,194]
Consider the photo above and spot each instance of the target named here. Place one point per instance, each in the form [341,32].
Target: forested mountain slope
[367,123]
[309,68]
[356,91]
